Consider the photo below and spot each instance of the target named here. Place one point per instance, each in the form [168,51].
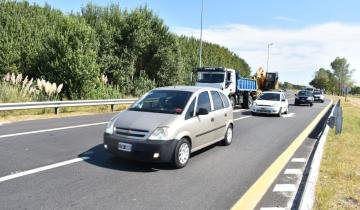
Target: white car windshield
[270,97]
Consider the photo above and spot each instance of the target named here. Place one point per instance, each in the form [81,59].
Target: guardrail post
[112,107]
[57,110]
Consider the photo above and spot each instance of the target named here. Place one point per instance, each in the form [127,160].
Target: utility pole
[268,56]
[201,28]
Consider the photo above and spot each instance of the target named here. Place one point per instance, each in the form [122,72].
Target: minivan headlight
[110,127]
[275,105]
[160,133]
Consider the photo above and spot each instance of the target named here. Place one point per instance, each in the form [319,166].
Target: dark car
[304,97]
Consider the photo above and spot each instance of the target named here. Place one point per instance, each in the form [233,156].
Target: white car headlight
[110,126]
[275,105]
[309,98]
[254,104]
[160,133]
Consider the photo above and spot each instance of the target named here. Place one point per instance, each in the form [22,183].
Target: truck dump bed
[244,84]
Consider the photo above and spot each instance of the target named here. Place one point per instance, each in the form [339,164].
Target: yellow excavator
[266,80]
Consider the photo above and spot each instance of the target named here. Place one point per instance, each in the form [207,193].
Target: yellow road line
[254,194]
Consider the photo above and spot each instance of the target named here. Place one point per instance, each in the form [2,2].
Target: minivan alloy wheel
[184,153]
[228,136]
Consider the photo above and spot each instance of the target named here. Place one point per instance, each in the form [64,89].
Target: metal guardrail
[59,104]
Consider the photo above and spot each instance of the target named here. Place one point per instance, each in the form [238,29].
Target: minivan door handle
[212,119]
[225,114]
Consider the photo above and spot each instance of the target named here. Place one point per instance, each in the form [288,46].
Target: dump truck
[240,90]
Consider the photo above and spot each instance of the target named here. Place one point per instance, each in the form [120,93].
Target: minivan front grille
[131,133]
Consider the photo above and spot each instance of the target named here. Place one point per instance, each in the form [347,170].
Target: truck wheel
[233,102]
[247,103]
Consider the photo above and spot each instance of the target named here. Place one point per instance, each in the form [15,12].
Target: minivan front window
[211,77]
[163,101]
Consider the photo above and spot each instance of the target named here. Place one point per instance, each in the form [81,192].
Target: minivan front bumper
[143,150]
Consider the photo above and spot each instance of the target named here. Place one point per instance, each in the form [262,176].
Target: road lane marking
[271,208]
[241,118]
[51,129]
[288,115]
[238,110]
[284,188]
[44,168]
[298,160]
[293,171]
[254,194]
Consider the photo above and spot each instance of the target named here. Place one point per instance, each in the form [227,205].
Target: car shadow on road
[98,156]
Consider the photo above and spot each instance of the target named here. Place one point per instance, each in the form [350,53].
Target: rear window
[225,100]
[218,104]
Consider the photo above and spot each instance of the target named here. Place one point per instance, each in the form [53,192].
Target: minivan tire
[228,136]
[180,160]
[280,113]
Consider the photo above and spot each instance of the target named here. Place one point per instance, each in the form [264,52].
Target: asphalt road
[215,177]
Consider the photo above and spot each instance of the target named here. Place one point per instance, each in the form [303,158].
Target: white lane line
[288,115]
[272,208]
[293,171]
[238,110]
[298,160]
[44,168]
[51,129]
[241,118]
[284,188]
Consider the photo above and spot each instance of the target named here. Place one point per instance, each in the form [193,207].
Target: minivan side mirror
[202,111]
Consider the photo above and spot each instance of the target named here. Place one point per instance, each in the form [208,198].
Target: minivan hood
[214,85]
[143,120]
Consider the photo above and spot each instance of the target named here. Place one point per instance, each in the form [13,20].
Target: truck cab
[222,78]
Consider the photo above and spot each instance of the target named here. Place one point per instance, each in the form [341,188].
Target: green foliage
[134,49]
[333,81]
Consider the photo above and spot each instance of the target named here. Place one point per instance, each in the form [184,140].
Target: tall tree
[342,73]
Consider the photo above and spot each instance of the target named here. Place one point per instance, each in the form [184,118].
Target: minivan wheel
[182,153]
[228,136]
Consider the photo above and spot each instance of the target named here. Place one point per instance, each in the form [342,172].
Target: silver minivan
[169,123]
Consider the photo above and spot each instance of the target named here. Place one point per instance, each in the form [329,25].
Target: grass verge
[338,186]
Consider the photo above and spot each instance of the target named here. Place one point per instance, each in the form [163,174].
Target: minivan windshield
[163,101]
[270,97]
[211,77]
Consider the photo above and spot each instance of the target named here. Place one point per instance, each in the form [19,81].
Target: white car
[271,102]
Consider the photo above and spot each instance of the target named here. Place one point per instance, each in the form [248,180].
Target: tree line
[336,80]
[101,51]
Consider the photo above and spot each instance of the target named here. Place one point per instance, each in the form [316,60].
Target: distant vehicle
[310,89]
[319,96]
[169,123]
[272,102]
[241,91]
[304,97]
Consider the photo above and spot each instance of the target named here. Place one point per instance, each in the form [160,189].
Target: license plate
[124,147]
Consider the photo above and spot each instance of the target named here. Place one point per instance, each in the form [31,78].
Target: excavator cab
[271,81]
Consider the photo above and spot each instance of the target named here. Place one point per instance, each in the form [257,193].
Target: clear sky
[307,34]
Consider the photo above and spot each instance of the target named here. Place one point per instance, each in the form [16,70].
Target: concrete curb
[308,197]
